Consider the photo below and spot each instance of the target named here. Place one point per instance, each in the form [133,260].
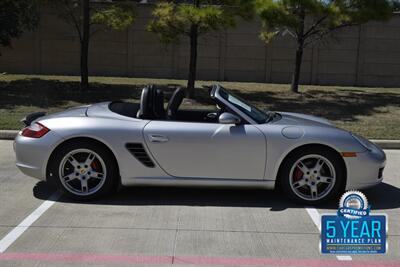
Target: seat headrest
[159,111]
[146,103]
[175,102]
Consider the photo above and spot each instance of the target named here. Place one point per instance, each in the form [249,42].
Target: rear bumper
[32,154]
[365,170]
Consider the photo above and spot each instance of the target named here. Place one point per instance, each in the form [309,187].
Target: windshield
[251,111]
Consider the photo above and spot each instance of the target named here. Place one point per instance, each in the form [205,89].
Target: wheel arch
[308,146]
[81,139]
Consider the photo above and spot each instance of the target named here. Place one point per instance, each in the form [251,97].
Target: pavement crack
[176,237]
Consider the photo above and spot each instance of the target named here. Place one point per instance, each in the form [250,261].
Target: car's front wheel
[83,170]
[312,175]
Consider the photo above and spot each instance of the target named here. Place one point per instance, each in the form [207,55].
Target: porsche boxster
[91,150]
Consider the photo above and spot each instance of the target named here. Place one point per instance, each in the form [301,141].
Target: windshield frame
[251,117]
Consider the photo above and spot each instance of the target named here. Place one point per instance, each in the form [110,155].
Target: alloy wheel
[312,177]
[82,172]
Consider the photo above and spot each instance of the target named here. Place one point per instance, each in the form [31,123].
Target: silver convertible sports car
[89,151]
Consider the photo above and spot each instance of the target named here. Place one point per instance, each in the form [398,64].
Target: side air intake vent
[140,154]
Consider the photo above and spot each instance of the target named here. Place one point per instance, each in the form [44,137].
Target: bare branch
[315,25]
[321,34]
[68,14]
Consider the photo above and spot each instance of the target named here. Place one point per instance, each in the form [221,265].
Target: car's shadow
[381,197]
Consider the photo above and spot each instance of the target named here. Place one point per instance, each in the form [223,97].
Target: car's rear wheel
[312,175]
[83,170]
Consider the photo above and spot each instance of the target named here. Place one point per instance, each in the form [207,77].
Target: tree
[88,17]
[15,18]
[174,19]
[309,21]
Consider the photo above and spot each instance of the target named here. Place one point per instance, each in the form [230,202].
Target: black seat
[146,104]
[159,111]
[174,103]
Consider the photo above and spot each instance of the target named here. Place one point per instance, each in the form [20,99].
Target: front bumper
[32,154]
[365,170]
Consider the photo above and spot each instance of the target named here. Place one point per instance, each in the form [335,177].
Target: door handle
[156,138]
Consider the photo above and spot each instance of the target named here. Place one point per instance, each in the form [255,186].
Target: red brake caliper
[95,165]
[297,174]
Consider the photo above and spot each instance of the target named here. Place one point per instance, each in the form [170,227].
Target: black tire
[111,168]
[292,158]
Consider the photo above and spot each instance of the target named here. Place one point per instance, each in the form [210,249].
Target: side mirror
[229,118]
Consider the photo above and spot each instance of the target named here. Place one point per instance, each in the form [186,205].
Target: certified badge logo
[353,205]
[353,230]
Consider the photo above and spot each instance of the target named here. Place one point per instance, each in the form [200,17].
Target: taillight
[35,130]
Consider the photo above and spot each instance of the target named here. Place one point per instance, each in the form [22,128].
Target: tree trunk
[299,52]
[194,35]
[85,45]
[297,68]
[193,62]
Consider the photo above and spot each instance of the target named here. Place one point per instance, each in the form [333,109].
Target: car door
[207,150]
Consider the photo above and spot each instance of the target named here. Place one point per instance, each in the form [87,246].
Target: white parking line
[344,258]
[316,218]
[10,238]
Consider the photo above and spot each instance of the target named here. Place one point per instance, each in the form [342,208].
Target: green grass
[372,112]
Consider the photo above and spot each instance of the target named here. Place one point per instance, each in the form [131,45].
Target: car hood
[289,118]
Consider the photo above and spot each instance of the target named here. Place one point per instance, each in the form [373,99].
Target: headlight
[364,142]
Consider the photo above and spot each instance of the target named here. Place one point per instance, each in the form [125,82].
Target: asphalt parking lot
[174,226]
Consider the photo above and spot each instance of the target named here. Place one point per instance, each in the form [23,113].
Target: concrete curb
[384,144]
[8,134]
[388,144]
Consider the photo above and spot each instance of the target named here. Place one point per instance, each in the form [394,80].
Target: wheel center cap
[83,171]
